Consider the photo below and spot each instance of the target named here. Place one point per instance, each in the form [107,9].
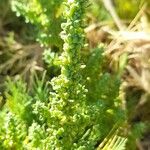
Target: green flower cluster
[70,115]
[76,121]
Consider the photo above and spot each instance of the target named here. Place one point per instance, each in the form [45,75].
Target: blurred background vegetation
[122,26]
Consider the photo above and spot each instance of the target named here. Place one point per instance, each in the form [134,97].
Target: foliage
[98,11]
[45,15]
[135,133]
[129,8]
[78,108]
